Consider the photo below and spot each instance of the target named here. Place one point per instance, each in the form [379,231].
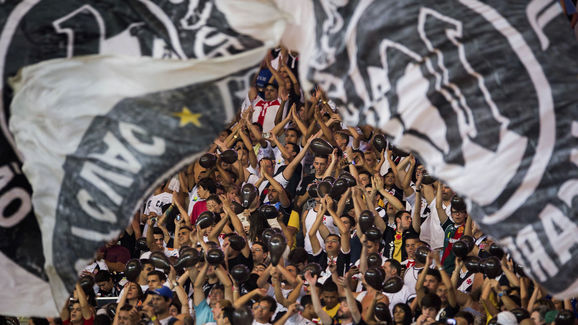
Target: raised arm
[290,169]
[315,245]
[439,208]
[225,280]
[343,234]
[416,213]
[322,314]
[198,293]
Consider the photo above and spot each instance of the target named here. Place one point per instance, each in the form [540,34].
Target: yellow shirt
[294,222]
[397,246]
[333,311]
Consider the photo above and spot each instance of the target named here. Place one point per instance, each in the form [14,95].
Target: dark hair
[465,315]
[333,235]
[272,84]
[263,245]
[208,184]
[408,315]
[161,275]
[297,255]
[102,276]
[214,197]
[400,213]
[412,235]
[329,286]
[146,261]
[126,307]
[306,300]
[395,264]
[295,130]
[435,273]
[271,301]
[431,300]
[295,147]
[158,231]
[350,218]
[321,156]
[102,319]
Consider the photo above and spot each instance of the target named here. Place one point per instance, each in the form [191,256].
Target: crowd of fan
[295,218]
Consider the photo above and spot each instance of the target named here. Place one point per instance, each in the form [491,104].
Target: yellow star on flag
[187,117]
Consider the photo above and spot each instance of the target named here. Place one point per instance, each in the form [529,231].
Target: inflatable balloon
[392,285]
[188,257]
[323,188]
[496,250]
[366,219]
[458,203]
[312,190]
[240,273]
[266,235]
[522,314]
[248,193]
[329,179]
[373,234]
[427,178]
[215,256]
[229,156]
[374,260]
[381,311]
[460,249]
[268,211]
[314,268]
[86,283]
[160,260]
[208,160]
[421,254]
[141,244]
[237,242]
[132,270]
[349,179]
[206,219]
[469,241]
[375,277]
[472,263]
[339,187]
[111,309]
[565,317]
[237,207]
[277,246]
[321,147]
[379,142]
[242,316]
[492,267]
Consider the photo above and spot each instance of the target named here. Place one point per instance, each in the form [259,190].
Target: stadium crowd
[292,217]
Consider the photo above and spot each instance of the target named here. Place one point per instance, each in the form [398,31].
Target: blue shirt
[203,313]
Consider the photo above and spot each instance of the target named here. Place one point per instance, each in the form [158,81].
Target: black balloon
[208,160]
[472,263]
[266,235]
[277,246]
[160,260]
[314,268]
[242,316]
[366,220]
[469,241]
[379,142]
[522,314]
[565,317]
[427,178]
[496,250]
[86,283]
[323,188]
[188,257]
[329,179]
[321,147]
[492,267]
[381,311]
[375,277]
[237,242]
[392,285]
[312,190]
[349,179]
[268,211]
[240,273]
[206,219]
[215,256]
[248,193]
[374,260]
[460,249]
[132,270]
[339,187]
[141,244]
[111,309]
[229,156]
[458,203]
[421,254]
[237,207]
[373,234]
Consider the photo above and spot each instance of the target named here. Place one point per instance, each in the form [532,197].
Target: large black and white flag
[483,91]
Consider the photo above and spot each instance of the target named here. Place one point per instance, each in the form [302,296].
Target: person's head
[538,315]
[259,251]
[332,244]
[447,193]
[403,220]
[329,294]
[372,246]
[298,257]
[259,269]
[155,279]
[431,305]
[104,281]
[216,294]
[75,312]
[402,314]
[464,318]
[206,187]
[348,221]
[432,279]
[292,150]
[158,238]
[392,267]
[161,300]
[214,204]
[342,139]
[225,313]
[320,165]
[272,194]
[412,242]
[124,315]
[183,236]
[389,178]
[271,91]
[370,158]
[390,209]
[308,310]
[442,292]
[459,216]
[292,135]
[267,166]
[365,178]
[344,311]
[264,309]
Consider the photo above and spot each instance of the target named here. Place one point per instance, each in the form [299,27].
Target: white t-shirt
[309,221]
[431,229]
[155,203]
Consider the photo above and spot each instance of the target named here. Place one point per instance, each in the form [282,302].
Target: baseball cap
[163,291]
[506,318]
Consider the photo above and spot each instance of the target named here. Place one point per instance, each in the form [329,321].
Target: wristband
[154,318]
[500,294]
